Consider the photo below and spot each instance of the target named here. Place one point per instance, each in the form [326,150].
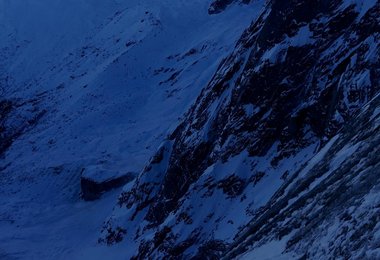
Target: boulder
[96,180]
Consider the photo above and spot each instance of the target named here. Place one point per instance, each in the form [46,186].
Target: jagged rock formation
[299,73]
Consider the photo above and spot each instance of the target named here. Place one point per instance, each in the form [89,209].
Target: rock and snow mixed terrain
[252,126]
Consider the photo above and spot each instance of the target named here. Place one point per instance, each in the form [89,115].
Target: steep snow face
[98,85]
[300,72]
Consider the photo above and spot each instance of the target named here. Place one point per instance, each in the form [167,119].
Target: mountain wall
[299,73]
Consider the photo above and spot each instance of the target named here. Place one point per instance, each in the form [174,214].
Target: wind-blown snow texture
[254,126]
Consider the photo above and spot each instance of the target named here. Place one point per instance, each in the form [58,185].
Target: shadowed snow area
[93,84]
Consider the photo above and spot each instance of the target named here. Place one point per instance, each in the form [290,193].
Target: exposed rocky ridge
[299,73]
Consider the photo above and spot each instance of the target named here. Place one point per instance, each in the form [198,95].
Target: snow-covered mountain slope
[253,127]
[93,84]
[299,73]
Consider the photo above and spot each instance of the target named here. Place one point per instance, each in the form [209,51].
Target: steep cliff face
[298,74]
[330,209]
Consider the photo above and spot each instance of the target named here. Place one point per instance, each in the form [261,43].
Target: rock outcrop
[330,211]
[218,6]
